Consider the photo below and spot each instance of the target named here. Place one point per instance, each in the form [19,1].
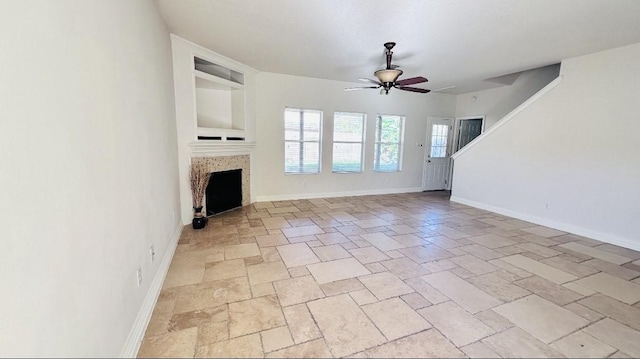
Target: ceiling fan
[388,77]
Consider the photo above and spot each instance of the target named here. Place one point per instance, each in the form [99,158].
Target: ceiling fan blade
[370,80]
[360,88]
[411,81]
[414,89]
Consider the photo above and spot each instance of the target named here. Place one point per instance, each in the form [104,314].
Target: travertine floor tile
[395,318]
[622,290]
[241,251]
[549,290]
[474,265]
[545,271]
[494,320]
[212,294]
[302,326]
[405,268]
[332,271]
[212,332]
[492,241]
[275,223]
[276,338]
[254,315]
[271,240]
[584,312]
[481,252]
[302,231]
[267,272]
[499,288]
[181,321]
[368,255]
[543,231]
[345,327]
[610,268]
[332,238]
[479,350]
[170,345]
[385,285]
[617,335]
[160,318]
[363,296]
[370,223]
[568,266]
[426,253]
[382,241]
[455,323]
[313,349]
[298,254]
[460,291]
[582,345]
[427,344]
[596,253]
[248,346]
[330,253]
[342,286]
[297,290]
[515,343]
[614,309]
[538,249]
[224,270]
[541,318]
[245,284]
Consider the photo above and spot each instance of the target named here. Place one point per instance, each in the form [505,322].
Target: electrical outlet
[139,275]
[152,252]
[547,205]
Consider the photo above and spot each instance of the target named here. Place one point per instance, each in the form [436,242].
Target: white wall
[276,91]
[88,175]
[576,148]
[497,102]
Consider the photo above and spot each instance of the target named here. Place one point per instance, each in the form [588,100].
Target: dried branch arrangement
[198,180]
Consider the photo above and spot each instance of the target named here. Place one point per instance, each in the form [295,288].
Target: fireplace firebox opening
[224,191]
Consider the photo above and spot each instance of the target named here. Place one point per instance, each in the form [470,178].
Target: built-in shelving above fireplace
[219,101]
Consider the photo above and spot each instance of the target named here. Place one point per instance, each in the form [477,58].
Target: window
[302,132]
[348,136]
[388,148]
[439,136]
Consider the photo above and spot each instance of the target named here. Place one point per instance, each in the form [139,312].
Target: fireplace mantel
[224,148]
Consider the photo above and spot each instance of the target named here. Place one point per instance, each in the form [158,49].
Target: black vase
[199,221]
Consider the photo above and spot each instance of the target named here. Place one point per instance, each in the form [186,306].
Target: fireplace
[224,191]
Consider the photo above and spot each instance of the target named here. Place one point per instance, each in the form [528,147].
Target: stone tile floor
[403,275]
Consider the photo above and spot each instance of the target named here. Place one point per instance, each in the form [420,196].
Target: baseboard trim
[565,227]
[288,197]
[132,345]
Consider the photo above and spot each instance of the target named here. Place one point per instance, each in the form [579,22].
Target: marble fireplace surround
[233,162]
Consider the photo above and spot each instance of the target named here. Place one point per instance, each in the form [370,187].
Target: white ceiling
[451,42]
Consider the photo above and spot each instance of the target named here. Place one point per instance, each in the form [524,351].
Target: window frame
[302,141]
[362,142]
[378,142]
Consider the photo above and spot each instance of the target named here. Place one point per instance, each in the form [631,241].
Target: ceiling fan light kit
[388,77]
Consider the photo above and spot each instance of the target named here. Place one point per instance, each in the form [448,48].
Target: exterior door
[436,163]
[469,129]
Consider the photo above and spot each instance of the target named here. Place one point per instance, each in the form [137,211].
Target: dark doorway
[468,130]
[224,191]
